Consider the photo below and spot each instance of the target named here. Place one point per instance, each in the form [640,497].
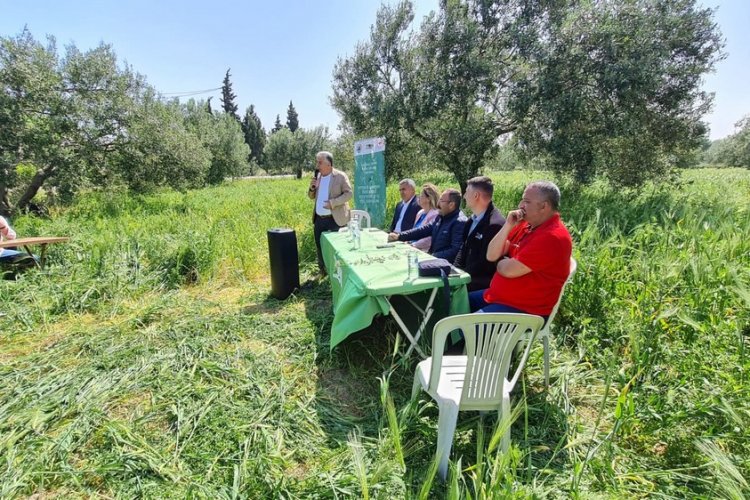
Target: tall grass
[148,359]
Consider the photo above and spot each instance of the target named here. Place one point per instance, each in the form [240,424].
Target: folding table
[365,280]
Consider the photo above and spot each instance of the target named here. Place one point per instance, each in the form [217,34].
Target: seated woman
[428,200]
[6,233]
[12,257]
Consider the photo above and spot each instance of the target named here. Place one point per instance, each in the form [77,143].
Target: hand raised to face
[515,216]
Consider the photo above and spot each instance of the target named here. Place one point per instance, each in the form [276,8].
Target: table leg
[41,256]
[427,311]
[406,331]
[31,255]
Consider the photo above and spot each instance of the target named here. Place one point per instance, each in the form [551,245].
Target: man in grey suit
[331,191]
[407,208]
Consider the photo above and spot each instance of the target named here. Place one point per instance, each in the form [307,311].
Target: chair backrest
[571,273]
[362,216]
[490,341]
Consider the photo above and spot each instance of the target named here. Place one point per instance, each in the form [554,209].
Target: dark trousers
[323,224]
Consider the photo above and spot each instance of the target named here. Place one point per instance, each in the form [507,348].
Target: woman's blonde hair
[431,192]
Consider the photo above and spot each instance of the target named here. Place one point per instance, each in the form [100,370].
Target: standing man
[482,226]
[446,230]
[534,249]
[407,208]
[331,191]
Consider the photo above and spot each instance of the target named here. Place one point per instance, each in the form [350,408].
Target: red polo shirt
[546,250]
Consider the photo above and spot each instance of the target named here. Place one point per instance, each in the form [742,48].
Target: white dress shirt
[404,208]
[322,195]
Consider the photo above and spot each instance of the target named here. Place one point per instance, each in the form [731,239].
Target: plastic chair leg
[446,428]
[505,414]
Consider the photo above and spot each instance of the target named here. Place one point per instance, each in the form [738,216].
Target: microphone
[316,173]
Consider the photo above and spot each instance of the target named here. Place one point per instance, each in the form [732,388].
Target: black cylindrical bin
[282,252]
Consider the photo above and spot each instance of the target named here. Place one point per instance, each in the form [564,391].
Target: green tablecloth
[362,280]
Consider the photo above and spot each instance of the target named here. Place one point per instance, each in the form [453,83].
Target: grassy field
[149,360]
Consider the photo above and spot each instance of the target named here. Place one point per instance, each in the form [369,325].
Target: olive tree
[289,151]
[62,115]
[615,89]
[607,87]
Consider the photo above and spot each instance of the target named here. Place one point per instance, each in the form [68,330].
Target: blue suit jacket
[447,235]
[409,216]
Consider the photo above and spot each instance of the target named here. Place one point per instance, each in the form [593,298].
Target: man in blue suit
[407,208]
[447,230]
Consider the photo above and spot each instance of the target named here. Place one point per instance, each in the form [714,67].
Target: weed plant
[148,360]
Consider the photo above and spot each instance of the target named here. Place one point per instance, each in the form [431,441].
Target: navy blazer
[447,235]
[409,216]
[472,257]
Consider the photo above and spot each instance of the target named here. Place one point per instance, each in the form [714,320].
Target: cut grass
[149,360]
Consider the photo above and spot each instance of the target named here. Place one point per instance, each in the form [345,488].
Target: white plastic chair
[362,216]
[477,380]
[544,334]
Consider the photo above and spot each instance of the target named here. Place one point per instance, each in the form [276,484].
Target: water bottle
[355,233]
[413,263]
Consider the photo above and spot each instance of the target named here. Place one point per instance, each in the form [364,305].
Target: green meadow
[148,359]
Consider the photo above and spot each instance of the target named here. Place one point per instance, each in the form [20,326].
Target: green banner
[369,178]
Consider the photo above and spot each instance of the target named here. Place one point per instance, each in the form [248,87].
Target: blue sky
[285,50]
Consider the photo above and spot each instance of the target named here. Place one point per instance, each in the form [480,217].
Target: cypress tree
[228,97]
[255,136]
[277,125]
[292,118]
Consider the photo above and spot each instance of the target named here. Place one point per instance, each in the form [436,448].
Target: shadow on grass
[348,386]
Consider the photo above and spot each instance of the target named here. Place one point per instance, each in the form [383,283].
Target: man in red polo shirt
[532,251]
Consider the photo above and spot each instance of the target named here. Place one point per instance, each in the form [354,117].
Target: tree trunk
[41,175]
[4,202]
[459,173]
[463,184]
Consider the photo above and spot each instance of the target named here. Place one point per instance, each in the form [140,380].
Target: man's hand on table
[392,237]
